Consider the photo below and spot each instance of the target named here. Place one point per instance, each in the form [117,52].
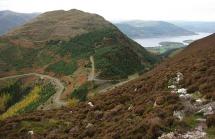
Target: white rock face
[179,77]
[90,104]
[130,107]
[31,132]
[89,125]
[170,135]
[172,87]
[185,96]
[206,111]
[179,115]
[194,135]
[182,91]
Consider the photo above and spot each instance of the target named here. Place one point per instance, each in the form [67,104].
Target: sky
[117,10]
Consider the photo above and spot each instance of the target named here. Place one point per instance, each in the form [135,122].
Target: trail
[91,76]
[57,102]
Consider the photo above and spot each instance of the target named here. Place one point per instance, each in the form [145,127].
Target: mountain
[196,26]
[10,20]
[150,29]
[176,97]
[60,25]
[61,42]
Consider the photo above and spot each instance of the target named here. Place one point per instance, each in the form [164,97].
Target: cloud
[123,9]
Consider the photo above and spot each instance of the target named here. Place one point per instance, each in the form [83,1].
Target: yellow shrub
[72,102]
[32,96]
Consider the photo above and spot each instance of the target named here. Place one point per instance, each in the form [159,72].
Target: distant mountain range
[9,20]
[196,26]
[149,29]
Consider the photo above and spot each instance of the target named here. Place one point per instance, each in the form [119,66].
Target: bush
[80,93]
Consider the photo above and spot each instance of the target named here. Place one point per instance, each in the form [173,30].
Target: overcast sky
[201,10]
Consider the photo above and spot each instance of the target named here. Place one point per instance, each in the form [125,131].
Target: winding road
[56,82]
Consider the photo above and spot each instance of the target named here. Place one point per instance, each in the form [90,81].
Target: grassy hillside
[115,55]
[144,108]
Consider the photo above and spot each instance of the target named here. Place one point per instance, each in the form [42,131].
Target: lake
[153,42]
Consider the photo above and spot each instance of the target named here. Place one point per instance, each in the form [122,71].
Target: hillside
[176,97]
[91,56]
[150,29]
[10,20]
[61,42]
[60,25]
[196,26]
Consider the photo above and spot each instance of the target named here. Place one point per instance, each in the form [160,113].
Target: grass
[62,67]
[18,57]
[191,121]
[39,127]
[43,59]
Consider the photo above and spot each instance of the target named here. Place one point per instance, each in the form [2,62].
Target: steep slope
[149,29]
[143,108]
[197,26]
[61,42]
[10,20]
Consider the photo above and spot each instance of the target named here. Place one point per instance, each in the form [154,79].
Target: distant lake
[153,42]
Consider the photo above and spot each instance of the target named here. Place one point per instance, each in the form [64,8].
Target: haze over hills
[151,29]
[196,26]
[147,107]
[10,19]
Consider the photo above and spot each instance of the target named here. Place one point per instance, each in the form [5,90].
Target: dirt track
[57,102]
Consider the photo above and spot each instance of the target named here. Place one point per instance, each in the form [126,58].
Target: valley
[73,74]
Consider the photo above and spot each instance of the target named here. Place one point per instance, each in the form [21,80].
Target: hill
[87,56]
[196,26]
[61,42]
[150,29]
[60,25]
[10,20]
[176,97]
